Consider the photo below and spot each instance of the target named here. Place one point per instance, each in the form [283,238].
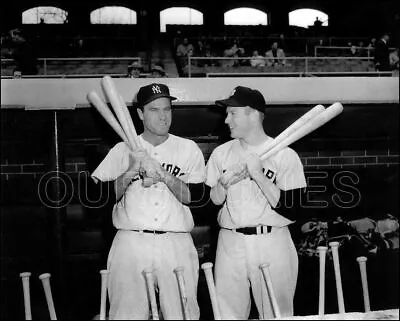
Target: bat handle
[321,302]
[362,261]
[103,298]
[27,298]
[207,268]
[45,277]
[148,273]
[268,281]
[181,284]
[335,253]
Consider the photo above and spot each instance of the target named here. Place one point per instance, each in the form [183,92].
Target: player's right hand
[234,174]
[136,158]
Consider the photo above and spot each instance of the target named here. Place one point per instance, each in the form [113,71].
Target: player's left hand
[234,174]
[253,164]
[151,168]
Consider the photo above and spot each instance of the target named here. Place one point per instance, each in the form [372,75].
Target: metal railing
[299,44]
[368,50]
[44,63]
[292,65]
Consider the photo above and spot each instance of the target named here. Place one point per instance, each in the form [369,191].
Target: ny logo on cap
[156,89]
[233,92]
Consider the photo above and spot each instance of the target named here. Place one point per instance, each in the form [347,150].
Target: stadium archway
[113,15]
[180,16]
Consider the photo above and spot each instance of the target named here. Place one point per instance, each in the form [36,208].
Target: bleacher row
[106,66]
[292,66]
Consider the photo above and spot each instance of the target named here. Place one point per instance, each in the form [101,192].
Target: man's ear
[140,113]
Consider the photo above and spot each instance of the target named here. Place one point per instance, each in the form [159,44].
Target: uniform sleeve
[113,165]
[196,166]
[291,173]
[213,170]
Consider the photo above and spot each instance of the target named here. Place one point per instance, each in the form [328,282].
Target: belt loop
[141,232]
[259,229]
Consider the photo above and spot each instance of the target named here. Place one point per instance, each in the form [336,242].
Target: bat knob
[179,269]
[25,274]
[207,265]
[361,259]
[264,265]
[334,244]
[44,276]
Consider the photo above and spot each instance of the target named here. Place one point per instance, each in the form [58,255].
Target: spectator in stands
[381,59]
[234,51]
[361,50]
[317,22]
[275,56]
[257,60]
[372,43]
[183,51]
[134,70]
[23,53]
[158,71]
[394,59]
[17,74]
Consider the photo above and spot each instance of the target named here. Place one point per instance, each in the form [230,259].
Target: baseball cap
[243,96]
[135,65]
[159,69]
[153,91]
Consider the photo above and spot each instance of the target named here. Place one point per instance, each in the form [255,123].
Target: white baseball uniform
[238,255]
[153,208]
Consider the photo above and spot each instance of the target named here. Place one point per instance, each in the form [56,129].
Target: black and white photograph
[199,160]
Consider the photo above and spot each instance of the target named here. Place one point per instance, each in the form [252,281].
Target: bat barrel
[45,278]
[207,268]
[335,253]
[148,273]
[321,302]
[103,297]
[27,298]
[268,281]
[182,290]
[362,261]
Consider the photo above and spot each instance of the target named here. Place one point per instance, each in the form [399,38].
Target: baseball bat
[335,253]
[321,302]
[268,282]
[103,297]
[130,121]
[45,277]
[103,109]
[309,126]
[120,109]
[182,291]
[296,125]
[27,298]
[363,270]
[148,273]
[207,268]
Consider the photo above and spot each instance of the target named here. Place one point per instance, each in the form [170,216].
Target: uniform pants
[131,253]
[237,270]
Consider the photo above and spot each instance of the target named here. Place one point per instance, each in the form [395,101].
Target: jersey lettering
[269,174]
[173,169]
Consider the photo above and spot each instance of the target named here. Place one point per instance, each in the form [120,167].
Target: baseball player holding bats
[259,200]
[153,220]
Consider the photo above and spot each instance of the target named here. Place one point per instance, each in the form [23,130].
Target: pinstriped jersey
[246,204]
[154,207]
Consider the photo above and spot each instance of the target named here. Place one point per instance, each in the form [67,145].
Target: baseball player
[259,200]
[153,219]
